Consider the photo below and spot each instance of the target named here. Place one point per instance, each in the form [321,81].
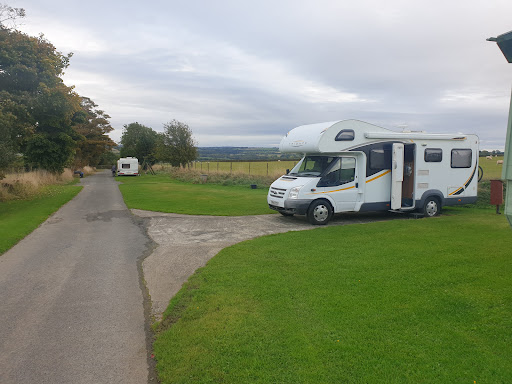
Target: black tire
[432,207]
[319,212]
[287,214]
[480,173]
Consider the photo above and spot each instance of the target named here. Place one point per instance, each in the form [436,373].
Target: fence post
[267,169]
[217,166]
[249,168]
[231,167]
[208,167]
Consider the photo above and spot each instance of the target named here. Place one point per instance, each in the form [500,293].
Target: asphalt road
[71,302]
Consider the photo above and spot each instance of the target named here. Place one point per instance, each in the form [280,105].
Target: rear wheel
[319,212]
[432,207]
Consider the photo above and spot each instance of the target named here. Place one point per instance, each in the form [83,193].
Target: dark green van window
[433,155]
[461,158]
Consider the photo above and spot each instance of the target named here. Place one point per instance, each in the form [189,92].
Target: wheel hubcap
[321,213]
[431,208]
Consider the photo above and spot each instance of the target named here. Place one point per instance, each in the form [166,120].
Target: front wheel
[319,212]
[432,207]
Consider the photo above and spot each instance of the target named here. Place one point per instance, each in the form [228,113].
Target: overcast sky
[244,73]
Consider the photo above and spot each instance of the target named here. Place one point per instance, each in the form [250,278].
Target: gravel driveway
[185,243]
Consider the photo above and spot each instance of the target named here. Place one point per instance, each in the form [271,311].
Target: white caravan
[353,166]
[128,166]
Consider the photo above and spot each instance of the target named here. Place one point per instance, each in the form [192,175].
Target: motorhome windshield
[311,166]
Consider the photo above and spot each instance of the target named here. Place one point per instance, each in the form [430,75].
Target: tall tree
[139,141]
[177,146]
[93,126]
[35,104]
[9,126]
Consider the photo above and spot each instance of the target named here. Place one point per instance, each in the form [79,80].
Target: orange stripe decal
[382,174]
[336,190]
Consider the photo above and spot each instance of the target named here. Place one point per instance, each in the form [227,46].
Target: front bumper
[292,206]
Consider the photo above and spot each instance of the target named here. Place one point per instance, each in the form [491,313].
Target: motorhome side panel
[448,169]
[377,175]
[377,193]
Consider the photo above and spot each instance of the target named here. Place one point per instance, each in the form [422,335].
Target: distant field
[262,168]
[277,168]
[492,171]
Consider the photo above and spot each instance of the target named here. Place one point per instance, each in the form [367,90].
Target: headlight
[294,192]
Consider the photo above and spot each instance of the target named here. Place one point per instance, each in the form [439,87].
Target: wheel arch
[429,194]
[327,199]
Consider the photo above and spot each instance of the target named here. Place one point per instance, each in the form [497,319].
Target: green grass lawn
[20,217]
[406,301]
[162,194]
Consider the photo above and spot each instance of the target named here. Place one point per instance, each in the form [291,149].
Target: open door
[397,175]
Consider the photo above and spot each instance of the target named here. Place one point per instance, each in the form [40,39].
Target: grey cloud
[243,69]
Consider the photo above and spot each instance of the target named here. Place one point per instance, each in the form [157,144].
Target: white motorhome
[128,166]
[353,166]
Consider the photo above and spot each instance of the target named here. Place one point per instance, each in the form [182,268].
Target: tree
[139,141]
[40,117]
[48,153]
[109,158]
[35,104]
[10,15]
[92,125]
[7,147]
[177,145]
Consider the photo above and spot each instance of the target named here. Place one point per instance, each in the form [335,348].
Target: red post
[497,194]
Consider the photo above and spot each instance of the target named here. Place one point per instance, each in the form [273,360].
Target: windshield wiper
[310,174]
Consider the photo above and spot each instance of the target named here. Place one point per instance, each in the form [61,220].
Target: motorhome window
[461,158]
[345,135]
[348,169]
[380,158]
[433,155]
[312,166]
[125,166]
[341,171]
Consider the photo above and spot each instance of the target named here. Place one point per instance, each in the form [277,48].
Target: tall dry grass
[88,170]
[24,185]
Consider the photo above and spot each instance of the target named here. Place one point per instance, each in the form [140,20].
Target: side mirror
[287,171]
[504,42]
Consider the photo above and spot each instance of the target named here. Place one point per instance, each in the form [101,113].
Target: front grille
[277,192]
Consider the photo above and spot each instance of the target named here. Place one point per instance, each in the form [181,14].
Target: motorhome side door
[341,183]
[397,175]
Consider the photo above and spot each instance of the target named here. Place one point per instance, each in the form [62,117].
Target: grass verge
[162,193]
[425,301]
[20,217]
